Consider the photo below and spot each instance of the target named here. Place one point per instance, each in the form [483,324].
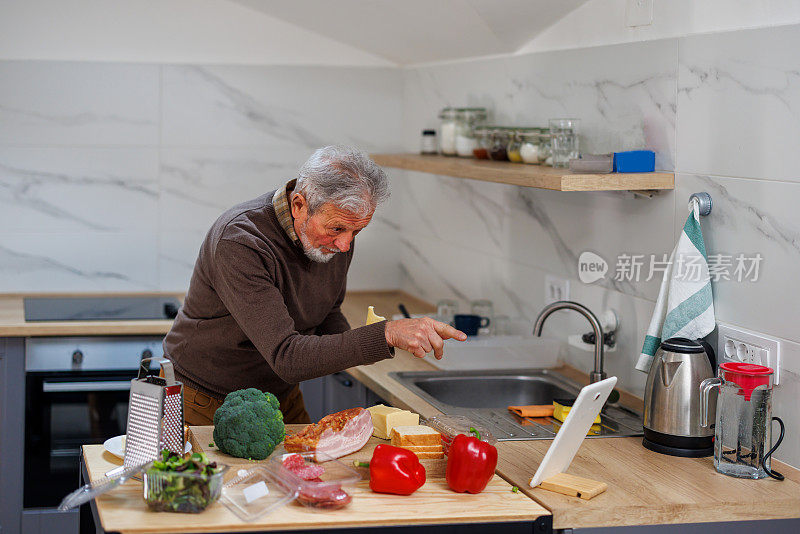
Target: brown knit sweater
[260,314]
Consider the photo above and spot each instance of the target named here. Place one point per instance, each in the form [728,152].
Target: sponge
[561,408]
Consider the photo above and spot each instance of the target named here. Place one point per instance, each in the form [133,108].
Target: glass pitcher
[743,429]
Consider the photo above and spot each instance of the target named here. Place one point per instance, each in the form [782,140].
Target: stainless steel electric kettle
[671,417]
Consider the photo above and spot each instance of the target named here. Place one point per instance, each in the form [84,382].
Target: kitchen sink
[484,395]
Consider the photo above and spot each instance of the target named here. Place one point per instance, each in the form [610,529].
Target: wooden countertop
[123,510]
[13,323]
[644,487]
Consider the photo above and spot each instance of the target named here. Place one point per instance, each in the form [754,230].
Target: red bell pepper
[394,470]
[470,463]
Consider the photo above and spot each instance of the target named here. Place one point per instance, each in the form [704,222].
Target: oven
[76,392]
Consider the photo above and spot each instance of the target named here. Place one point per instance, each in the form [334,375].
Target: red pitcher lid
[747,376]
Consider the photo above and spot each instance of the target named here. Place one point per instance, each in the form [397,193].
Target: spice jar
[466,120]
[499,143]
[428,142]
[481,151]
[545,147]
[447,131]
[530,142]
[514,144]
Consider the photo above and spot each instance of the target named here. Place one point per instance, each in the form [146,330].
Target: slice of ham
[335,435]
[297,465]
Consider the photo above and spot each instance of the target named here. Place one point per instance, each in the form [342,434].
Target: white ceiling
[419,31]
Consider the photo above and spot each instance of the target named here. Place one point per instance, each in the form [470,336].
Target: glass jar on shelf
[482,138]
[545,147]
[565,141]
[499,144]
[515,144]
[530,142]
[447,131]
[466,121]
[428,142]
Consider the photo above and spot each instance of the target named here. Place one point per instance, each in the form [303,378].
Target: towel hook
[703,202]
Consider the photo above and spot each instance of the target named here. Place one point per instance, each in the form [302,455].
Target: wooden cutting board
[202,437]
[123,510]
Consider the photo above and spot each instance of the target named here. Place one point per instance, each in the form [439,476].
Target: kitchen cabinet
[334,393]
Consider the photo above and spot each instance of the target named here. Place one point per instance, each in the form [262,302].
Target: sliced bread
[423,448]
[415,435]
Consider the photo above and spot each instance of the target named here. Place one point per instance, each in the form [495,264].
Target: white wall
[163,31]
[603,22]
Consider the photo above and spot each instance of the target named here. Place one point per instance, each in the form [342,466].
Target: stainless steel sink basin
[484,395]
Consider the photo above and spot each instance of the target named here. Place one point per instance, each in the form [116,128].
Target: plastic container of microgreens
[449,426]
[323,483]
[189,491]
[257,491]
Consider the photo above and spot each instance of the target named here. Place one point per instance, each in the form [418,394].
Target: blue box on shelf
[635,161]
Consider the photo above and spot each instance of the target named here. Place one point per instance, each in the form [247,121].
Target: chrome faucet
[598,374]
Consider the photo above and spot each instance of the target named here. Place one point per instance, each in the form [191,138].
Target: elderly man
[263,306]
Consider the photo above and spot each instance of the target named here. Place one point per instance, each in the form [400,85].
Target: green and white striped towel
[685,306]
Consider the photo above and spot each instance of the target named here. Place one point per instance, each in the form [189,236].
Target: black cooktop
[100,308]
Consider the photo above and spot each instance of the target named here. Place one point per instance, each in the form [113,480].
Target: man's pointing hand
[421,336]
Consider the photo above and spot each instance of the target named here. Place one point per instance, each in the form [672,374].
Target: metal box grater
[155,415]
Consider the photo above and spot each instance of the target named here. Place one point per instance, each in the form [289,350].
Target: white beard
[318,254]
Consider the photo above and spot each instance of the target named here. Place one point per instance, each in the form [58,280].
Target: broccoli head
[249,424]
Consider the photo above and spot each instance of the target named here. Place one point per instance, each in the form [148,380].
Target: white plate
[116,446]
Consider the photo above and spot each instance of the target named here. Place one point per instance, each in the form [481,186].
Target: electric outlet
[736,344]
[639,13]
[555,289]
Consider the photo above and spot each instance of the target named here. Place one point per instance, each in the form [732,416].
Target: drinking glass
[446,309]
[564,139]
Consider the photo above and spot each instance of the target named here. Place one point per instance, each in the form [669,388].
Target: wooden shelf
[526,175]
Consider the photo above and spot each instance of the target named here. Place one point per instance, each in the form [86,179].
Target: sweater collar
[280,201]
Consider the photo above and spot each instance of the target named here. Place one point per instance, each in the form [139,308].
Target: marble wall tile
[177,253]
[70,103]
[552,228]
[292,107]
[430,268]
[548,229]
[468,213]
[623,94]
[74,189]
[752,217]
[164,150]
[739,103]
[78,261]
[198,185]
[375,259]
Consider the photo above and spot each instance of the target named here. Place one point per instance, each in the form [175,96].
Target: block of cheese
[403,435]
[385,418]
[372,317]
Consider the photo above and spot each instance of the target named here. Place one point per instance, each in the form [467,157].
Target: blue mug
[469,324]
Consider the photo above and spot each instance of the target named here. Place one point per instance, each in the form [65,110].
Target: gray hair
[345,177]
